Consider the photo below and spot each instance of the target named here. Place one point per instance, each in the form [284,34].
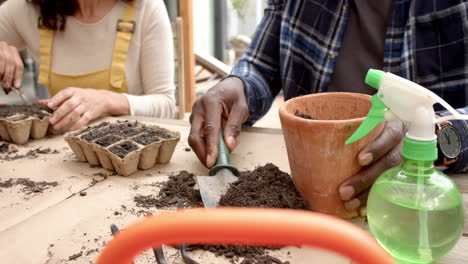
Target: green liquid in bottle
[416,219]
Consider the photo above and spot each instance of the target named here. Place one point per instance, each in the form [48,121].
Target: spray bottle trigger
[375,116]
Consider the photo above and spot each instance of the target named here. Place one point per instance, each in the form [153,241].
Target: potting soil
[36,110]
[266,186]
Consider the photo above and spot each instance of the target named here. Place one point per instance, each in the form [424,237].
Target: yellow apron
[112,79]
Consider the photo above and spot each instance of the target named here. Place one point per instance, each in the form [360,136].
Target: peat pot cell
[87,129]
[123,148]
[146,139]
[39,111]
[124,130]
[107,140]
[94,134]
[158,132]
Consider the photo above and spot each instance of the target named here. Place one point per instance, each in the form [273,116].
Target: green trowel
[221,176]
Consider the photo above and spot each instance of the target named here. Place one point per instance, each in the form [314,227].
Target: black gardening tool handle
[223,161]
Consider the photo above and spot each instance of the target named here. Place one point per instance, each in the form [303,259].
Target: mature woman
[96,57]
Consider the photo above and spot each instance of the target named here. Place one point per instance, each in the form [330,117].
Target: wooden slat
[180,76]
[213,65]
[186,12]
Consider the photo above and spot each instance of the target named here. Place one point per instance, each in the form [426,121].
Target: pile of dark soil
[302,115]
[36,110]
[178,187]
[29,186]
[267,186]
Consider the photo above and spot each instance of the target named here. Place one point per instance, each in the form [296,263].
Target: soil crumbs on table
[266,186]
[31,154]
[29,186]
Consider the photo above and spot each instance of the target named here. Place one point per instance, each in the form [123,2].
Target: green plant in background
[242,7]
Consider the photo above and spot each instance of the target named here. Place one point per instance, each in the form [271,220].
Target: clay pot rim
[285,114]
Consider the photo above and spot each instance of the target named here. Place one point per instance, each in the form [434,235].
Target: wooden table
[50,227]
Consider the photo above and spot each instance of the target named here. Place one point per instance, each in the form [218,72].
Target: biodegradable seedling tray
[123,146]
[18,123]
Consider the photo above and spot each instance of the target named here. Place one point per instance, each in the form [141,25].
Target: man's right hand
[226,100]
[11,67]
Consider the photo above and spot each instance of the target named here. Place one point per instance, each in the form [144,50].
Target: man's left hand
[382,154]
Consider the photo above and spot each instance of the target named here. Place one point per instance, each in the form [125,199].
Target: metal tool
[183,248]
[115,230]
[221,176]
[23,97]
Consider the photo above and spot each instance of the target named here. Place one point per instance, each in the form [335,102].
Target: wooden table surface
[51,226]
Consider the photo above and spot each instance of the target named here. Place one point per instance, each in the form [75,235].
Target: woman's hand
[382,154]
[76,107]
[11,67]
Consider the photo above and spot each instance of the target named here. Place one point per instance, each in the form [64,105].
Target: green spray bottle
[414,211]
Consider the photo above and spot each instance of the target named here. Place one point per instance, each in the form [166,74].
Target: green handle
[375,116]
[223,161]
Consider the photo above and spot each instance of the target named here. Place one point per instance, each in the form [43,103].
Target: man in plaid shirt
[313,46]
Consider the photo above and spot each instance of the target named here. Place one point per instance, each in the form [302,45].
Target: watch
[448,143]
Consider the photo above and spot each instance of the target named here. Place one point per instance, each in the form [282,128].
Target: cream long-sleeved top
[84,48]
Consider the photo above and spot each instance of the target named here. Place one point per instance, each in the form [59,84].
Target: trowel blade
[213,187]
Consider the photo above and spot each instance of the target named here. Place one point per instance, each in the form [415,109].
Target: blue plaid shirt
[296,45]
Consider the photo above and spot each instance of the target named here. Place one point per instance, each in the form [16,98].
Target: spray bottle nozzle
[374,77]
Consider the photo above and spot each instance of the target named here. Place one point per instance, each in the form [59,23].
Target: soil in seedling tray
[125,129]
[267,186]
[300,114]
[146,139]
[92,135]
[156,132]
[87,129]
[107,141]
[35,110]
[123,148]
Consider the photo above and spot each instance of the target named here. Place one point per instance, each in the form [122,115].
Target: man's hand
[76,107]
[11,67]
[226,100]
[382,154]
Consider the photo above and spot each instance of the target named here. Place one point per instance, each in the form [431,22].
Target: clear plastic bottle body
[415,212]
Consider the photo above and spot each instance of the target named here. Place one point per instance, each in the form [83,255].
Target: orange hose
[253,226]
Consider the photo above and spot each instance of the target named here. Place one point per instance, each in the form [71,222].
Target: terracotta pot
[318,157]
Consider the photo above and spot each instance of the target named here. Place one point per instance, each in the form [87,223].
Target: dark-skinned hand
[223,102]
[378,156]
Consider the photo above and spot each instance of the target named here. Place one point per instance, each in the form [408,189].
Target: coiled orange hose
[253,226]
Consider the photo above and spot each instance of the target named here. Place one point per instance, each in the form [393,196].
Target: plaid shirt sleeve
[461,166]
[259,67]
